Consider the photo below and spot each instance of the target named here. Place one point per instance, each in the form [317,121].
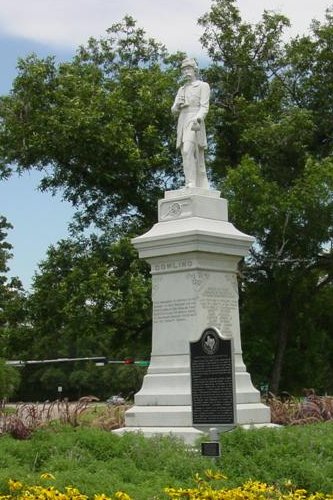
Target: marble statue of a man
[192,104]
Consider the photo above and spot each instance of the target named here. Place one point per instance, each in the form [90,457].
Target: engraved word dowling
[172,266]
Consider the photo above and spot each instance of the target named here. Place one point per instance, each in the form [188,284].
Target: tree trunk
[282,341]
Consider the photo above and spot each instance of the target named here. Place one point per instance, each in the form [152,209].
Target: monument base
[187,434]
[190,435]
[194,252]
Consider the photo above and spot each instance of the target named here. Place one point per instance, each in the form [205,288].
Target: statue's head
[190,63]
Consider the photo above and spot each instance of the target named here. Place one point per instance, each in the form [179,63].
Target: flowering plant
[19,491]
[250,490]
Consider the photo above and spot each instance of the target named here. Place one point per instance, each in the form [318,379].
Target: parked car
[115,400]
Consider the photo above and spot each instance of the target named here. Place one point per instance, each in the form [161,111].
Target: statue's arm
[179,101]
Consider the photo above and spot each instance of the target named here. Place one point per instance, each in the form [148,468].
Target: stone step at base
[188,434]
[181,416]
[152,398]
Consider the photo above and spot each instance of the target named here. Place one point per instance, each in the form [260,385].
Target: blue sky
[39,219]
[58,27]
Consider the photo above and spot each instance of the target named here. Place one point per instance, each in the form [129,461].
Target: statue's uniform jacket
[197,105]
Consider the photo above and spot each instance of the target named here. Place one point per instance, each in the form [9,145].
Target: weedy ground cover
[97,461]
[289,410]
[21,419]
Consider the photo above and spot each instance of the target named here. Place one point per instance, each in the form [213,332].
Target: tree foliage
[100,129]
[98,126]
[99,294]
[89,298]
[9,380]
[12,313]
[289,269]
[272,140]
[12,297]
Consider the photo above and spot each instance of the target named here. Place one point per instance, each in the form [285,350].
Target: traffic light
[142,363]
[129,361]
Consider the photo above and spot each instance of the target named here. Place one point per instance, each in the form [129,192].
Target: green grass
[97,461]
[303,454]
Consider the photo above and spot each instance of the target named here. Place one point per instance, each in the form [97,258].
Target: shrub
[292,411]
[9,380]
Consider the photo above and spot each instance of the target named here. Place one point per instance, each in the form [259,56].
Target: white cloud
[68,23]
[300,12]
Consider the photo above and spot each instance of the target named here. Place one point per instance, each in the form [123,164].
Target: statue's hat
[189,61]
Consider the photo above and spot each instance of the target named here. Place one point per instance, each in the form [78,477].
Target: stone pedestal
[193,251]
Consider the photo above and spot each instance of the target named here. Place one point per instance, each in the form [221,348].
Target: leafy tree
[15,333]
[9,380]
[91,297]
[12,314]
[99,127]
[289,270]
[270,142]
[244,59]
[99,295]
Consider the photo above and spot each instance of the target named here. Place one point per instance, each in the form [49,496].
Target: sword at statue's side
[196,128]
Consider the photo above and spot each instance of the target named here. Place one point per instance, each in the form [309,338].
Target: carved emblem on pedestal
[173,210]
[199,279]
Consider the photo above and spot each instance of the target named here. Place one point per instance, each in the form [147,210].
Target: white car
[115,400]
